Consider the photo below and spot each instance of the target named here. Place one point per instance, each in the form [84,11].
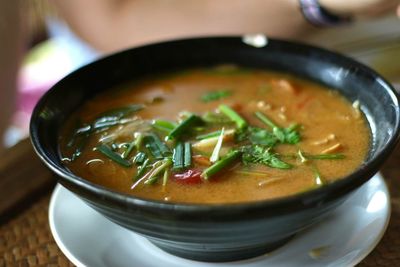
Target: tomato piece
[188,177]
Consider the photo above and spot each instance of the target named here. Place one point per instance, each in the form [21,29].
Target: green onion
[316,157]
[153,148]
[221,164]
[139,158]
[213,117]
[288,135]
[161,145]
[187,161]
[106,150]
[163,125]
[184,126]
[141,170]
[215,95]
[178,157]
[265,119]
[230,113]
[165,177]
[157,169]
[325,156]
[156,147]
[208,135]
[129,149]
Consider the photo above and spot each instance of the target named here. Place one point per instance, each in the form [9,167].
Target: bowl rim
[295,202]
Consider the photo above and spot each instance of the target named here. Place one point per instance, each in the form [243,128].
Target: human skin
[113,25]
[109,25]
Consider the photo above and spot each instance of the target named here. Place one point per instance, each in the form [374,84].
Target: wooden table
[26,185]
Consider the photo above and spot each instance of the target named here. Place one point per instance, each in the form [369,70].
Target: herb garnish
[184,126]
[263,155]
[215,95]
[165,148]
[288,135]
[235,117]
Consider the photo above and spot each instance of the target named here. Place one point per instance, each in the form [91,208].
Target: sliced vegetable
[212,140]
[187,160]
[288,135]
[153,175]
[129,149]
[156,147]
[215,154]
[107,151]
[165,177]
[231,114]
[140,158]
[178,158]
[208,135]
[221,164]
[163,125]
[141,170]
[184,126]
[215,95]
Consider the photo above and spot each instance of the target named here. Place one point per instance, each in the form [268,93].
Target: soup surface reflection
[218,135]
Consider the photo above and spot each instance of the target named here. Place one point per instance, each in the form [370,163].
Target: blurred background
[53,51]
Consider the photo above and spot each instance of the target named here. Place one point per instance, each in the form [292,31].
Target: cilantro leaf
[288,135]
[263,155]
[258,136]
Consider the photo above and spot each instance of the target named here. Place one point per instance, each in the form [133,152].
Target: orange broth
[328,125]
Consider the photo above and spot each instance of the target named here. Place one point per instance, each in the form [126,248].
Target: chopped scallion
[265,119]
[184,126]
[178,157]
[221,164]
[156,147]
[141,170]
[208,135]
[139,158]
[187,161]
[236,118]
[215,95]
[153,175]
[163,125]
[129,149]
[106,150]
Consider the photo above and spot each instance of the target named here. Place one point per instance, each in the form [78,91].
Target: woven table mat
[25,239]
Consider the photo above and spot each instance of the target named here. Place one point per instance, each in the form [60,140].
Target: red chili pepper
[188,177]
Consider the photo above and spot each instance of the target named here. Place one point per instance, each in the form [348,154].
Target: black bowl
[219,232]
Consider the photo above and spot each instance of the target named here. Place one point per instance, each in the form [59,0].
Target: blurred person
[110,25]
[95,27]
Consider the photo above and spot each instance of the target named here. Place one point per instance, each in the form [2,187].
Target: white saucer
[349,235]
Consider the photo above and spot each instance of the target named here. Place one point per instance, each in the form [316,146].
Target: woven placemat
[25,240]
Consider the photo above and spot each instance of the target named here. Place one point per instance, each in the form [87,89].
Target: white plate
[343,239]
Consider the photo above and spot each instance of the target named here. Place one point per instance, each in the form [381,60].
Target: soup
[216,135]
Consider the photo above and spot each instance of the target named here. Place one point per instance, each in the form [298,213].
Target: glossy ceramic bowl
[219,232]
